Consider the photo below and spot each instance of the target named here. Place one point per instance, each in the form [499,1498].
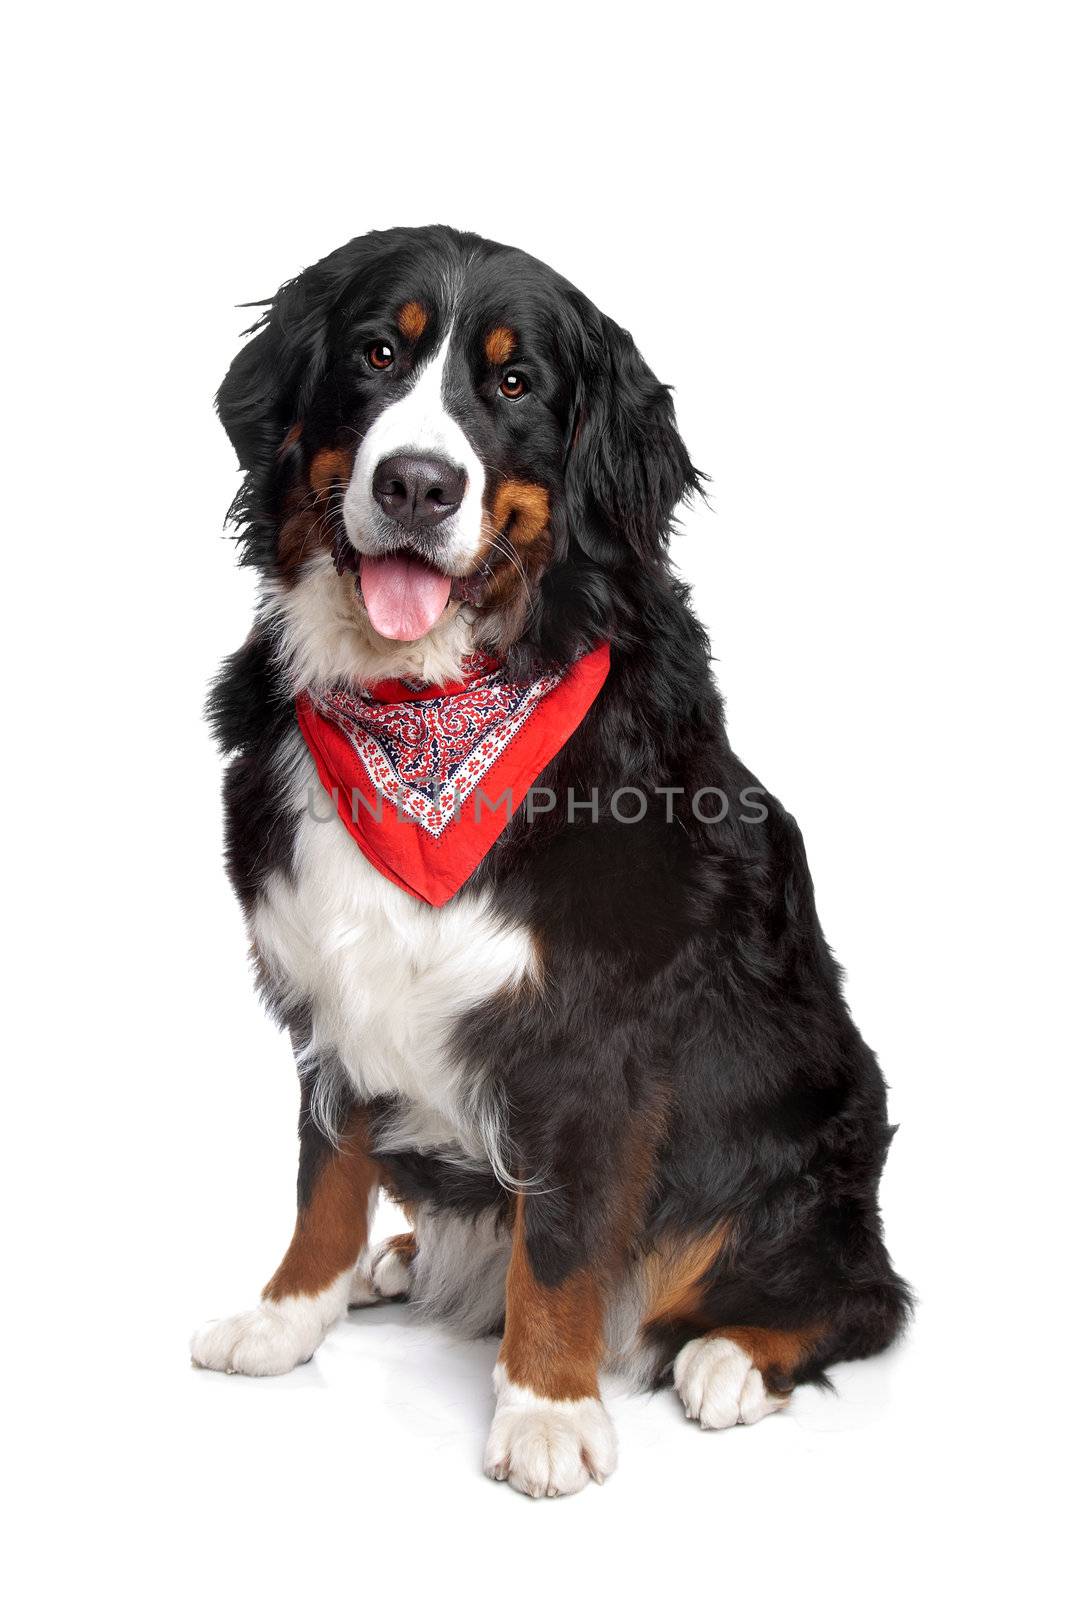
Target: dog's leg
[337,1191]
[743,1368]
[550,1433]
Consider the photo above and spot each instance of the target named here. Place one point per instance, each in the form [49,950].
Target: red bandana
[425,778]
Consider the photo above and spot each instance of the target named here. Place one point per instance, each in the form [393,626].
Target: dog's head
[446,447]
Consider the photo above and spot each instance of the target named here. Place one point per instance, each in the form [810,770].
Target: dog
[547,951]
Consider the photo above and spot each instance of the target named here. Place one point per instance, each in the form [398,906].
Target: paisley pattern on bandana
[427,778]
[427,756]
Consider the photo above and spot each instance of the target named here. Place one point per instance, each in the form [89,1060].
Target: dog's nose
[417,491]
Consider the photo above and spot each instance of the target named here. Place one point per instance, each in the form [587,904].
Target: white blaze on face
[418,423]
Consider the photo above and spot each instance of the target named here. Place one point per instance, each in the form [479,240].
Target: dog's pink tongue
[403,597]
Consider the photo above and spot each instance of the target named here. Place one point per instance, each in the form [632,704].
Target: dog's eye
[380,355]
[512,385]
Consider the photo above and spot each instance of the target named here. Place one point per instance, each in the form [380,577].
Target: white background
[838,231]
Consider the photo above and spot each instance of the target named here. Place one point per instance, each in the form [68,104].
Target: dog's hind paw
[385,1275]
[719,1385]
[391,1273]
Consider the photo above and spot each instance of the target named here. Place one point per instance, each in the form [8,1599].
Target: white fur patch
[547,1447]
[386,977]
[274,1337]
[627,1353]
[391,1275]
[418,422]
[457,1276]
[460,1270]
[324,636]
[719,1386]
[361,1290]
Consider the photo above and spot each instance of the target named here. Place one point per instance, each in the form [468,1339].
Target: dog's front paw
[548,1447]
[719,1385]
[262,1343]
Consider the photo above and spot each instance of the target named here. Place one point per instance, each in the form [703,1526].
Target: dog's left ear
[627,468]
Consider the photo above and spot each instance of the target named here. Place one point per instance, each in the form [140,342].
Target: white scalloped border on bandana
[360,719]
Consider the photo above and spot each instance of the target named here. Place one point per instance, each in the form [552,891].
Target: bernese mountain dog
[547,951]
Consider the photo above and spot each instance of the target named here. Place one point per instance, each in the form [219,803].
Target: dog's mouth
[404,593]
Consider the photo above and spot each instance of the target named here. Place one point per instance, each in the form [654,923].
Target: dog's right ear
[272,377]
[250,399]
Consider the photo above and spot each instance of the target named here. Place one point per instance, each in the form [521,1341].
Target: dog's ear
[270,379]
[627,468]
[250,399]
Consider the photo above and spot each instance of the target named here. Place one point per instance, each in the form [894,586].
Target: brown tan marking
[521,510]
[329,467]
[309,525]
[552,1336]
[331,1228]
[775,1352]
[500,346]
[411,319]
[516,545]
[299,537]
[674,1276]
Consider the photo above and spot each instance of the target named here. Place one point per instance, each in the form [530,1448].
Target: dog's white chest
[386,977]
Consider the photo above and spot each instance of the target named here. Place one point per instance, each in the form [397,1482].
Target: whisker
[510,554]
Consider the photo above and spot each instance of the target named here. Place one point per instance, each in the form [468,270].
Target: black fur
[697,1023]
